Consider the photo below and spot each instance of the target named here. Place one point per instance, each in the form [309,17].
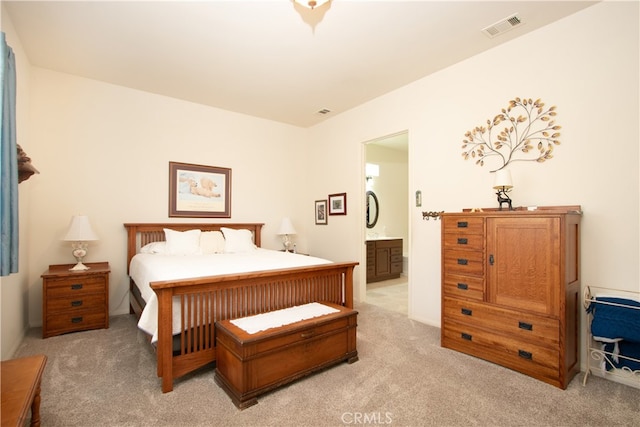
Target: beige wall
[104,150]
[578,64]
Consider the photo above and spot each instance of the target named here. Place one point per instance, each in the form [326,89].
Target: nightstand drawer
[71,322]
[79,303]
[71,288]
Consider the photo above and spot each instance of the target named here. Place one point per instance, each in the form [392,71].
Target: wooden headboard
[140,234]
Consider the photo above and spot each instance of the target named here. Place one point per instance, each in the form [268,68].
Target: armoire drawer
[463,224]
[543,331]
[464,262]
[530,359]
[463,240]
[461,286]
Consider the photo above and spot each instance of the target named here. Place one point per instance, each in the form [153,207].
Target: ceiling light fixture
[311,4]
[312,11]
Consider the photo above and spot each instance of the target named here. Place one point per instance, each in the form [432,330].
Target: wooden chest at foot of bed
[248,365]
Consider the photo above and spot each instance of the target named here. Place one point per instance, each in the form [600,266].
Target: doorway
[387,222]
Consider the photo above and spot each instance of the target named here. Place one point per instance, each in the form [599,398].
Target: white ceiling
[269,59]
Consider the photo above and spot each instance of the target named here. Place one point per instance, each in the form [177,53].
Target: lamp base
[286,242]
[504,198]
[79,267]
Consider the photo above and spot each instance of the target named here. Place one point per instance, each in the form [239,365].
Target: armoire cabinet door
[523,267]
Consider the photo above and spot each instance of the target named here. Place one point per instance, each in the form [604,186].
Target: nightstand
[75,300]
[291,252]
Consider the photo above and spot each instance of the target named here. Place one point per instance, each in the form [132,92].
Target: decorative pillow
[182,242]
[154,248]
[211,242]
[237,241]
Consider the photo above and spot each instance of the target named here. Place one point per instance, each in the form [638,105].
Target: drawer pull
[525,326]
[463,286]
[76,319]
[467,312]
[76,303]
[463,261]
[466,337]
[491,260]
[463,224]
[525,354]
[306,334]
[76,286]
[463,241]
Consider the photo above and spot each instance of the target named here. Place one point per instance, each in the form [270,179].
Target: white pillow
[237,241]
[211,242]
[182,242]
[154,248]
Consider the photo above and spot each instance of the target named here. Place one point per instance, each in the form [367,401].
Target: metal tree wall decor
[529,134]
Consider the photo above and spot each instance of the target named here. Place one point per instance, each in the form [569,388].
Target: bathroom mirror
[373,209]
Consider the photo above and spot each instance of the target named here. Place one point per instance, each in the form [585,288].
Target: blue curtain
[8,164]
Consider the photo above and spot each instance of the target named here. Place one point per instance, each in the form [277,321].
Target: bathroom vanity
[384,259]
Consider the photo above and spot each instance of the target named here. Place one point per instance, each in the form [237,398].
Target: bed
[188,307]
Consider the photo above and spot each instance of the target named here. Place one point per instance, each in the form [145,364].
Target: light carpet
[403,378]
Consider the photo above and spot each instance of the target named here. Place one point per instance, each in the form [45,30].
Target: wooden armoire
[511,286]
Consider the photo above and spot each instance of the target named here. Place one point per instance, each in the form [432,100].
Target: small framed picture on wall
[338,204]
[321,212]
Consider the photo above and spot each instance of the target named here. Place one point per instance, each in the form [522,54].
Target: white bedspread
[147,268]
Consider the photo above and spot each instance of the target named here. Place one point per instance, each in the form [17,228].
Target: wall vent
[502,26]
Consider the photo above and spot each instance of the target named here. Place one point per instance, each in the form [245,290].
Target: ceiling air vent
[502,26]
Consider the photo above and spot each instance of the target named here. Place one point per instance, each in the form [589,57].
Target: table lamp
[79,233]
[503,184]
[286,228]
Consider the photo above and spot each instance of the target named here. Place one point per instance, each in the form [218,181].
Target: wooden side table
[75,300]
[21,390]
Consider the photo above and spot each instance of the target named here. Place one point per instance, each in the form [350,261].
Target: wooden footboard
[204,301]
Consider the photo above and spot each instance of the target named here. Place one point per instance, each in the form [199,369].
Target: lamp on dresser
[503,184]
[79,234]
[286,229]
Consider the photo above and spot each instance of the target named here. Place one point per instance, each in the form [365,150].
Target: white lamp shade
[80,230]
[286,227]
[503,179]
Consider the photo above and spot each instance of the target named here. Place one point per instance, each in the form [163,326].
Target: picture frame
[199,191]
[321,212]
[338,204]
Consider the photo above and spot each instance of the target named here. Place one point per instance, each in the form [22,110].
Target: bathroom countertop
[384,238]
